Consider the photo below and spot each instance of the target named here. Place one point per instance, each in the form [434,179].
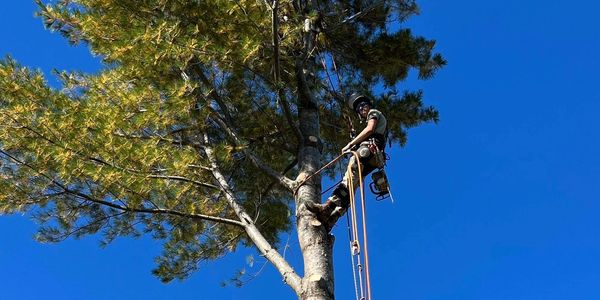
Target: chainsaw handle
[373,189]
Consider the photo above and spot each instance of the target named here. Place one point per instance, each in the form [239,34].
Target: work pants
[369,163]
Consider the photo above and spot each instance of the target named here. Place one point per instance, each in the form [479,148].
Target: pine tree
[203,121]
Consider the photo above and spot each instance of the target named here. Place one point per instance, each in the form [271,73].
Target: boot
[322,211]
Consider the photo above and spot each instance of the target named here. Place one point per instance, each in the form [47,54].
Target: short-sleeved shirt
[381,127]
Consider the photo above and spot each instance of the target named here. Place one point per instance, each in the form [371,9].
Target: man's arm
[363,135]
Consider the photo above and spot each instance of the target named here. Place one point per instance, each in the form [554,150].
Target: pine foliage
[122,152]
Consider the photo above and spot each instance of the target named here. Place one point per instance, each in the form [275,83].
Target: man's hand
[363,135]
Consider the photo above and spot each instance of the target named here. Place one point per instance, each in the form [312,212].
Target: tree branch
[284,181]
[227,114]
[133,171]
[213,92]
[123,207]
[159,138]
[183,179]
[288,168]
[105,219]
[290,276]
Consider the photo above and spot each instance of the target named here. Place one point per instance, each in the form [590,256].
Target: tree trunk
[315,242]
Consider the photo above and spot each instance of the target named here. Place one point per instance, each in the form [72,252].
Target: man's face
[363,109]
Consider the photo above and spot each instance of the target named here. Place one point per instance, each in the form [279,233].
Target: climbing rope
[355,241]
[317,172]
[350,238]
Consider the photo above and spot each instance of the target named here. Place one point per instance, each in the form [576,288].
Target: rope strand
[355,243]
[317,172]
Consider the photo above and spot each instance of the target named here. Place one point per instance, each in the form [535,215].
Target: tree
[204,122]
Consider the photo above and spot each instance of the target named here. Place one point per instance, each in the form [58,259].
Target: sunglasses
[361,106]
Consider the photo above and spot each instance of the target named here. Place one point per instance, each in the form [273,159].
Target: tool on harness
[364,152]
[380,185]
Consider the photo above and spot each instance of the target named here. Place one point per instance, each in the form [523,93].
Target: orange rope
[317,172]
[355,225]
[354,242]
[364,223]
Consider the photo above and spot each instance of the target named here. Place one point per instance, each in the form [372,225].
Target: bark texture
[315,242]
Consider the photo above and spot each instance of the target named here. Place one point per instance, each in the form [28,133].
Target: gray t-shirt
[381,126]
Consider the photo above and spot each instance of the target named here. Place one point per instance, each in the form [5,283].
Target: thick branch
[290,276]
[288,168]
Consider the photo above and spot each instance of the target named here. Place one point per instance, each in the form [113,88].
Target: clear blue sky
[500,200]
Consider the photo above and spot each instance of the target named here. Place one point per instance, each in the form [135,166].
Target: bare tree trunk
[315,242]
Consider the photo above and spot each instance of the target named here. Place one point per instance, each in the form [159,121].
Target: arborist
[369,144]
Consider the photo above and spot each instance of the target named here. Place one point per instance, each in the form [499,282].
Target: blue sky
[498,201]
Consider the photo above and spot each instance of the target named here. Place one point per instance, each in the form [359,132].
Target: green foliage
[109,153]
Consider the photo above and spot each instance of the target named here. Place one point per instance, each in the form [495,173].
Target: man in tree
[367,144]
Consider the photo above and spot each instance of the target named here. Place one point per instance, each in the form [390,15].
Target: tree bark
[315,242]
